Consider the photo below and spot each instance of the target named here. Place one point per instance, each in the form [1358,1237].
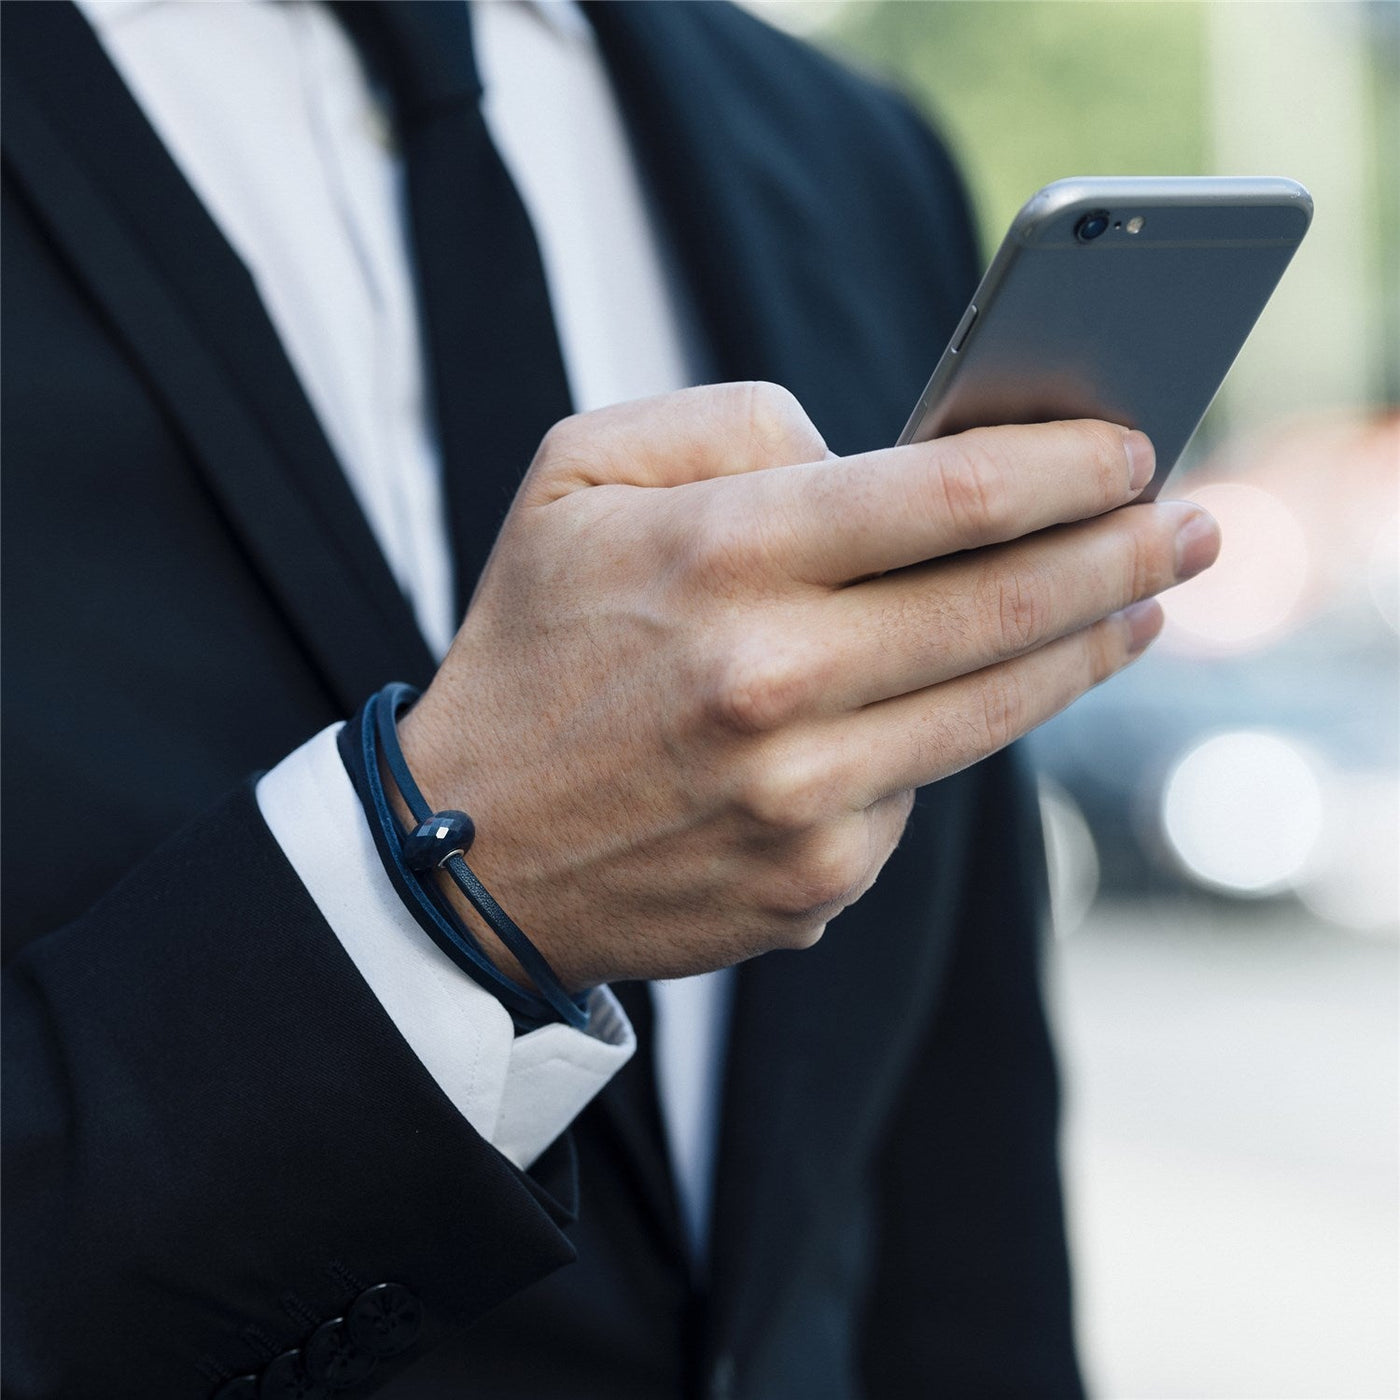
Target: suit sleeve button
[385,1320]
[285,1379]
[332,1358]
[239,1388]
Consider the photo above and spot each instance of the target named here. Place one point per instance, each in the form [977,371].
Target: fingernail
[1144,621]
[1142,459]
[1197,545]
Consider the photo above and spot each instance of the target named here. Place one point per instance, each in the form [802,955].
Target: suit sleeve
[216,1140]
[971,1292]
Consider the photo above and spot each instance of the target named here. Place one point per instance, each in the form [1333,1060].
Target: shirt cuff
[518,1092]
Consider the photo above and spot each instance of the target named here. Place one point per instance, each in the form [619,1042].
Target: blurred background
[1223,820]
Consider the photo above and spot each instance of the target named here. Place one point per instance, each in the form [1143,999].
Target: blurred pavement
[1231,1151]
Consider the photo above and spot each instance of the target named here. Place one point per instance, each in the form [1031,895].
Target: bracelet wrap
[440,841]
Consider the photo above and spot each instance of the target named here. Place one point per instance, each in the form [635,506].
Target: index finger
[850,517]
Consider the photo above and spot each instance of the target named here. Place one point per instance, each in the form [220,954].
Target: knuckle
[826,876]
[756,688]
[779,425]
[1146,568]
[561,440]
[1005,709]
[1022,612]
[782,795]
[771,404]
[1105,651]
[967,484]
[797,932]
[570,455]
[1104,448]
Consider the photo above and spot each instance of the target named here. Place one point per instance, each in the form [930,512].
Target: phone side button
[964,329]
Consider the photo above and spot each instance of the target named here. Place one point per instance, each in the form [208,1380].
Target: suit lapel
[186,309]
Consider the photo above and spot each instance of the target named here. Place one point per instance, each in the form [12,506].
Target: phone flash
[1134,225]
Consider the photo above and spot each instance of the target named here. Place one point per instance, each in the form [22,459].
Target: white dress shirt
[264,106]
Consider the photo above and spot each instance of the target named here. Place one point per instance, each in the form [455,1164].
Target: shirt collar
[564,17]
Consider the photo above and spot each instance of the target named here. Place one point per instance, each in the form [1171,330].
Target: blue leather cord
[394,697]
[377,737]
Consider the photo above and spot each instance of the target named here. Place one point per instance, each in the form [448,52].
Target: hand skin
[708,662]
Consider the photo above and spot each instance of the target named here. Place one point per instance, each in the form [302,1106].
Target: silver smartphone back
[1125,299]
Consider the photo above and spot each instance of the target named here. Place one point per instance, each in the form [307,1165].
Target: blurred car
[1255,751]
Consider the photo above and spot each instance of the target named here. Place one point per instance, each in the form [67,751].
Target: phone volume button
[963,331]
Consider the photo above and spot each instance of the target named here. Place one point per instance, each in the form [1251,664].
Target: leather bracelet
[440,840]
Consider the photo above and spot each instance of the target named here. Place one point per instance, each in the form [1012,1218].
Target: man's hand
[708,662]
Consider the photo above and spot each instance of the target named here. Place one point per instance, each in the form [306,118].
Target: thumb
[691,435]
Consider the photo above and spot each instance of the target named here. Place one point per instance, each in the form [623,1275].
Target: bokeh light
[1383,573]
[1252,593]
[1243,812]
[1354,879]
[1071,855]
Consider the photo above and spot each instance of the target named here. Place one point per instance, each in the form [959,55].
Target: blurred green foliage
[1383,94]
[1029,91]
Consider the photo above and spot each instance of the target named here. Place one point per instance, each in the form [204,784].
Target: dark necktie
[494,366]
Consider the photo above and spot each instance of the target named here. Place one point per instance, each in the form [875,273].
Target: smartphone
[1125,299]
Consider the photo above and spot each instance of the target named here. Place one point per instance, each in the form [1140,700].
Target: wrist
[426,750]
[438,840]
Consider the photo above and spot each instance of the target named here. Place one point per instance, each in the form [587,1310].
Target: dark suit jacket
[214,1135]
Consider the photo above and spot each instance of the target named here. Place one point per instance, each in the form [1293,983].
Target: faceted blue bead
[444,834]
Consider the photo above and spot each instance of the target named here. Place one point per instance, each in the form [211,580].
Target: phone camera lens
[1091,226]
